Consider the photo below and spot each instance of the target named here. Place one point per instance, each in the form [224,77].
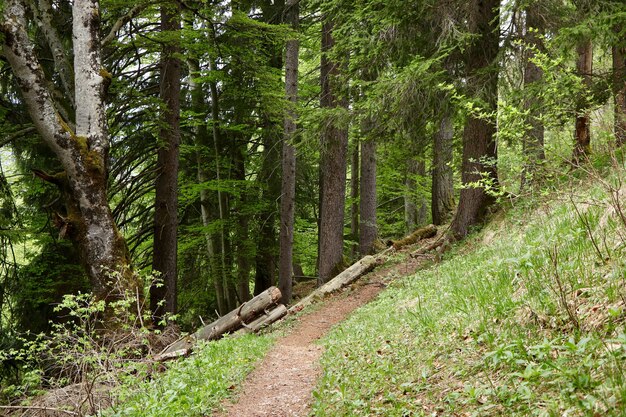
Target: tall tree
[288,186]
[533,140]
[334,149]
[163,294]
[479,142]
[619,86]
[442,189]
[582,132]
[81,146]
[368,231]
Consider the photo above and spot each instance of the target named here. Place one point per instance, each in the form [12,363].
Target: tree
[619,87]
[442,190]
[368,231]
[479,144]
[163,294]
[288,186]
[582,132]
[81,145]
[533,141]
[334,149]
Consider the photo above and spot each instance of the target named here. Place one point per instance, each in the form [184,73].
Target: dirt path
[282,383]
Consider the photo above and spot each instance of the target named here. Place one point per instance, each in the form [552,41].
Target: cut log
[416,236]
[230,322]
[348,276]
[264,320]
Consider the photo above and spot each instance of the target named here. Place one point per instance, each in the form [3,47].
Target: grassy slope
[525,318]
[195,385]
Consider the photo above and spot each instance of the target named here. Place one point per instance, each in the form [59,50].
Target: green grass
[194,386]
[525,318]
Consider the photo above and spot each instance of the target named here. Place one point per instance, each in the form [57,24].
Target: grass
[525,318]
[195,386]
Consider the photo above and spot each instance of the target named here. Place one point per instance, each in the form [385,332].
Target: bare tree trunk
[288,186]
[479,144]
[354,196]
[619,85]
[83,153]
[533,140]
[410,185]
[163,295]
[334,149]
[582,133]
[368,230]
[442,193]
[244,245]
[207,211]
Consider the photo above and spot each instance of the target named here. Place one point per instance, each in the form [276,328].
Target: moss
[106,75]
[65,126]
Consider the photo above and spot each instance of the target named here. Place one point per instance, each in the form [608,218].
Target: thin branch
[132,13]
[10,138]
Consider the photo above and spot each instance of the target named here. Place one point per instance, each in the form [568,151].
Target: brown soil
[282,383]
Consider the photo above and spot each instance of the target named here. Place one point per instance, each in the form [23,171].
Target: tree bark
[230,322]
[442,192]
[368,230]
[349,275]
[334,145]
[619,86]
[354,196]
[288,186]
[163,294]
[410,185]
[533,141]
[582,133]
[83,153]
[479,144]
[416,236]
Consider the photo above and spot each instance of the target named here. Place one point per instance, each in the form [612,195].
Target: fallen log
[416,236]
[264,320]
[346,277]
[230,322]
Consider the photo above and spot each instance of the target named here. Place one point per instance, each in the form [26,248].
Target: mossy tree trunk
[82,150]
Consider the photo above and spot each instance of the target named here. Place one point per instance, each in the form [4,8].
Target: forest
[167,164]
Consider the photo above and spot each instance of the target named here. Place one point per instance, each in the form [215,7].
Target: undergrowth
[524,319]
[196,385]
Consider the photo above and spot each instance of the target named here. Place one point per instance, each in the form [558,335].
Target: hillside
[526,317]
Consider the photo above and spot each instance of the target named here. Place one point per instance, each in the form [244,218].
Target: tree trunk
[582,133]
[334,149]
[368,230]
[229,322]
[479,144]
[288,186]
[410,185]
[354,196]
[442,193]
[83,153]
[349,275]
[533,140]
[163,295]
[619,86]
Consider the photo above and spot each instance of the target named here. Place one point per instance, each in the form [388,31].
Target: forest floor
[283,383]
